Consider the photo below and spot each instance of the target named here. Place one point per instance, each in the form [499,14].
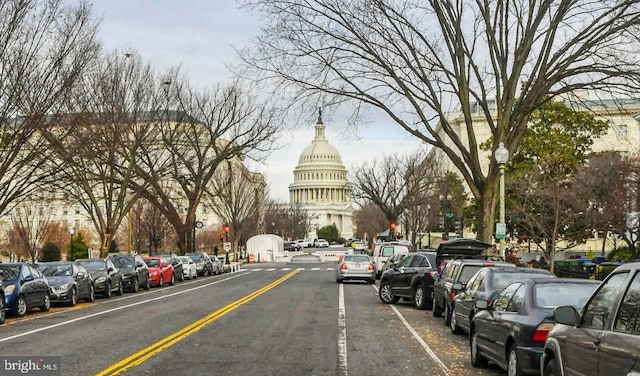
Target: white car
[189,269]
[320,243]
[304,243]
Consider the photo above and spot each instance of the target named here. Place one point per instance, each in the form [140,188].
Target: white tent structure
[265,247]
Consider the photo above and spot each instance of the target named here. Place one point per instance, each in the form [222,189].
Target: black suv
[412,278]
[134,270]
[463,258]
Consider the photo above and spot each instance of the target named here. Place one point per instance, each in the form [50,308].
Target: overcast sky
[199,36]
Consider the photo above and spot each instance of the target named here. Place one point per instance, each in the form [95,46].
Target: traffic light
[392,226]
[458,227]
[226,232]
[441,223]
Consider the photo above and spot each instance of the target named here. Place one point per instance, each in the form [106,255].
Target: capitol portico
[320,186]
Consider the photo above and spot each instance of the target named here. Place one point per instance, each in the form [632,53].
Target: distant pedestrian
[215,250]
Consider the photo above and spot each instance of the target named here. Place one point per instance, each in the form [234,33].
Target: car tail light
[371,267]
[453,294]
[542,331]
[343,266]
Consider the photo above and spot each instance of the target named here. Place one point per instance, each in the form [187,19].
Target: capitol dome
[320,184]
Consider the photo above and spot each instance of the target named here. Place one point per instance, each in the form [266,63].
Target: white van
[382,251]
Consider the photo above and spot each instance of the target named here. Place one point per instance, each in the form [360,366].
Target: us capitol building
[320,186]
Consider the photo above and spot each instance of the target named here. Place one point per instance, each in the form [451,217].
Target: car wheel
[338,280]
[455,329]
[74,297]
[21,307]
[182,277]
[372,281]
[435,309]
[173,280]
[107,291]
[419,298]
[551,369]
[147,285]
[447,314]
[513,368]
[161,281]
[385,294]
[120,289]
[46,304]
[477,360]
[135,285]
[195,275]
[92,294]
[2,313]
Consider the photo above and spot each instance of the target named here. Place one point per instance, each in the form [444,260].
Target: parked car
[463,258]
[24,288]
[189,267]
[512,329]
[304,243]
[603,336]
[68,282]
[106,277]
[291,247]
[485,285]
[382,251]
[178,269]
[356,267]
[134,270]
[320,243]
[411,279]
[160,271]
[204,265]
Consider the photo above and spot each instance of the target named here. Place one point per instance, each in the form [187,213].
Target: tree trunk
[486,213]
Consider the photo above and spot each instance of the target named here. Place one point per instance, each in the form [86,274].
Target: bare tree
[369,221]
[97,141]
[31,225]
[288,221]
[238,195]
[149,228]
[493,61]
[44,48]
[206,130]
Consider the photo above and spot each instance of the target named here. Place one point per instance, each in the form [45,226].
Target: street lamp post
[71,231]
[502,156]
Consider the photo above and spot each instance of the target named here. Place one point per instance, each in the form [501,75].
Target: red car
[160,271]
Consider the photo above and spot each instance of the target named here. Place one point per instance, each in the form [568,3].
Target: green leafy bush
[50,252]
[622,254]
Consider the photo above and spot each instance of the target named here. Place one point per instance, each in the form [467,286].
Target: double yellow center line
[146,353]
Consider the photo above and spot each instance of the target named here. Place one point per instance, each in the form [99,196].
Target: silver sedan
[356,267]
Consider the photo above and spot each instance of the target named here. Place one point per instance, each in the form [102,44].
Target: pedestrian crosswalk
[287,269]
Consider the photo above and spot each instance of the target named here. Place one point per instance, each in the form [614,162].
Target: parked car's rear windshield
[467,272]
[94,265]
[562,293]
[501,280]
[197,257]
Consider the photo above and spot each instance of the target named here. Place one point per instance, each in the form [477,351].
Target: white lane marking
[315,268]
[302,268]
[330,268]
[286,268]
[116,309]
[271,269]
[342,333]
[256,270]
[426,347]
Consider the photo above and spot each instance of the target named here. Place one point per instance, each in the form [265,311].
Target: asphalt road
[268,319]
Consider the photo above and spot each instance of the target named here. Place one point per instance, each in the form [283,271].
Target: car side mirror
[110,269]
[81,275]
[139,264]
[567,315]
[28,278]
[164,264]
[458,286]
[482,304]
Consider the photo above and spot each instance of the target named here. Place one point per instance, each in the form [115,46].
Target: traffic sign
[450,214]
[501,230]
[226,246]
